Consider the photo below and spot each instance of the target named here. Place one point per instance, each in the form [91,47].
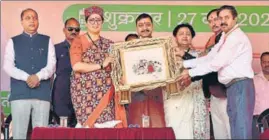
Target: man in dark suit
[62,104]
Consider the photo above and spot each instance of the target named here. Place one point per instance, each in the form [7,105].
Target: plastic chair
[262,124]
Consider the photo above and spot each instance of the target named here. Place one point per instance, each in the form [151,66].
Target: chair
[262,123]
[7,123]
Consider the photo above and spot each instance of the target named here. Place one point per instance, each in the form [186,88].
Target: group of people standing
[82,88]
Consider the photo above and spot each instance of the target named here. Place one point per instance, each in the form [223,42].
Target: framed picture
[143,64]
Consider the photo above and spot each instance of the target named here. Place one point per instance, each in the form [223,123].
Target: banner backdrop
[120,20]
[252,19]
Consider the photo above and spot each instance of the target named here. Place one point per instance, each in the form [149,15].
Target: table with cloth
[102,133]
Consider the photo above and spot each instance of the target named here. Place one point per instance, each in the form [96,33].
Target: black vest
[31,54]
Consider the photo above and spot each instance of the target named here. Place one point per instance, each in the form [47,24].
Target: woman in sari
[186,112]
[93,97]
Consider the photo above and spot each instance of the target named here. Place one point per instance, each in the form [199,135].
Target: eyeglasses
[92,21]
[70,29]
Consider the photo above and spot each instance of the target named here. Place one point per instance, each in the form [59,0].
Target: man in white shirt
[30,62]
[218,102]
[232,59]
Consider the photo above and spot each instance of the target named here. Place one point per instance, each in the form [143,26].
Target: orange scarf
[120,113]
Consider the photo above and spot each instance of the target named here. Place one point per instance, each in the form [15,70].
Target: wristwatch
[102,67]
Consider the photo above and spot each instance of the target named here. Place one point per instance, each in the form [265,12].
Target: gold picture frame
[135,79]
[131,55]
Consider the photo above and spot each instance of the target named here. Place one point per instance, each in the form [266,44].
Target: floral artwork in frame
[144,65]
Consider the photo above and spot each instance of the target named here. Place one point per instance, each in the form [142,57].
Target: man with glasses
[30,62]
[62,104]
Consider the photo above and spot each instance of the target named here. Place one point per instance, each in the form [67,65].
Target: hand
[179,52]
[122,80]
[184,80]
[108,60]
[184,83]
[33,81]
[202,54]
[184,74]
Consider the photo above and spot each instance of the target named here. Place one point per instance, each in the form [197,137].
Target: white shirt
[16,73]
[231,57]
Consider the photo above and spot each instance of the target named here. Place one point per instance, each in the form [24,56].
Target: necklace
[101,43]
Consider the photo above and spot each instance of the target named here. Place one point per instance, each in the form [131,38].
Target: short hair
[131,35]
[28,9]
[65,23]
[181,26]
[144,15]
[228,7]
[263,54]
[211,11]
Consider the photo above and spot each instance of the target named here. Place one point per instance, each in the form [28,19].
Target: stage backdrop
[120,20]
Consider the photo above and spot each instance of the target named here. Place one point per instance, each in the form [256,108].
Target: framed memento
[143,64]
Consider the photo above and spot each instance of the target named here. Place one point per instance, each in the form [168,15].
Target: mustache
[215,26]
[223,24]
[145,30]
[73,34]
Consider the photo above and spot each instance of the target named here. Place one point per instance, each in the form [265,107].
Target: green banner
[5,103]
[122,17]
